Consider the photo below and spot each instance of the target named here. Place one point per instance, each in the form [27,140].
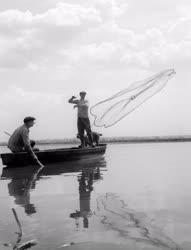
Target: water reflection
[21,184]
[20,189]
[112,215]
[86,180]
[23,181]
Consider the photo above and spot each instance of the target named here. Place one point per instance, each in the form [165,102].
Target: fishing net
[113,109]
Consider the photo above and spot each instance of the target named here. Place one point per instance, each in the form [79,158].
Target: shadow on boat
[23,180]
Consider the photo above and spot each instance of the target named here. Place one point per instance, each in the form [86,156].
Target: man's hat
[28,119]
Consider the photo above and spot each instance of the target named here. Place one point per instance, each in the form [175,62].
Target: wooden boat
[53,155]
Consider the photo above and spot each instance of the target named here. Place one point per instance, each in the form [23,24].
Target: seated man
[19,141]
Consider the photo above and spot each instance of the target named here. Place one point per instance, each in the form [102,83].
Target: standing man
[19,140]
[83,117]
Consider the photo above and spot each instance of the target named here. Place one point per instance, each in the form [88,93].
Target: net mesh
[110,111]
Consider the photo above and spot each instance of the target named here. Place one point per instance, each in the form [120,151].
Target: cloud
[102,54]
[88,34]
[111,9]
[181,29]
[63,14]
[26,37]
[122,48]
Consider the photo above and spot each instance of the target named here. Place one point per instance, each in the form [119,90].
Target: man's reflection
[20,188]
[86,180]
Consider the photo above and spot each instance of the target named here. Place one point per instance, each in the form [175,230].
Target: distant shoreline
[151,139]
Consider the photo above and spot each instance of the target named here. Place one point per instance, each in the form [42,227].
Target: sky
[52,49]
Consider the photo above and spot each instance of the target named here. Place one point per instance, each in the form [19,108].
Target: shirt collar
[25,127]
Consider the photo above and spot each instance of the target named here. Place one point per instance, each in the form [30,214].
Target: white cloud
[123,48]
[26,37]
[181,30]
[184,9]
[87,34]
[111,9]
[63,14]
[104,53]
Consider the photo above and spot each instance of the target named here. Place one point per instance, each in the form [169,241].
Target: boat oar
[18,222]
[25,245]
[7,133]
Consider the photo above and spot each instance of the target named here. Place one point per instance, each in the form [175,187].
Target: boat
[54,169]
[53,155]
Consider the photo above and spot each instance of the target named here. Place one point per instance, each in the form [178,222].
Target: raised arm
[72,100]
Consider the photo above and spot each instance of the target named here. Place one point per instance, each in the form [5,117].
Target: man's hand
[40,164]
[36,160]
[75,106]
[72,100]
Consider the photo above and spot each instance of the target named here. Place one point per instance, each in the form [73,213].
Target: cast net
[110,111]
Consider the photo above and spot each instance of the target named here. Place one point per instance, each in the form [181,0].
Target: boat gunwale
[96,148]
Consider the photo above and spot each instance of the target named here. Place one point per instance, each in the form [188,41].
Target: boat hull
[53,155]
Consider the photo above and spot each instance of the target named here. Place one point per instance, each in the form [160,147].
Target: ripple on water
[131,225]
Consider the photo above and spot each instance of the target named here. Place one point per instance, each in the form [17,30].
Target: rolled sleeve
[73,101]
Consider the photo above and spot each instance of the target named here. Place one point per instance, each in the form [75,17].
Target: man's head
[29,121]
[82,94]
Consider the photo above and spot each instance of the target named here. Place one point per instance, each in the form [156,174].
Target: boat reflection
[86,179]
[23,181]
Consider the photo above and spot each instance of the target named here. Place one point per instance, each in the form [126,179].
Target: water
[136,197]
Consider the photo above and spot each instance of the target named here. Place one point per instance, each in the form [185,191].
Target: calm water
[137,196]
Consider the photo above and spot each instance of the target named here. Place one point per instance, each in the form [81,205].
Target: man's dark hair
[28,119]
